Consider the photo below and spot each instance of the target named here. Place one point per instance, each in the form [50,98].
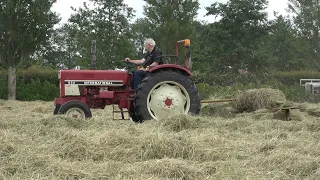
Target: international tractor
[168,88]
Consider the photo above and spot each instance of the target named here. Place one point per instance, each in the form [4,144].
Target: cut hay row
[255,99]
[34,144]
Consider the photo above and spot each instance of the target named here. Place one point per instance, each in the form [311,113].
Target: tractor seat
[167,59]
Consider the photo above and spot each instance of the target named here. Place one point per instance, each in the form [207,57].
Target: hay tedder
[168,88]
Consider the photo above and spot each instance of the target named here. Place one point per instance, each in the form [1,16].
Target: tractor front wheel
[165,92]
[76,109]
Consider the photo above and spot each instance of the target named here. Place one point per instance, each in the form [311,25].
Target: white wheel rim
[167,97]
[76,113]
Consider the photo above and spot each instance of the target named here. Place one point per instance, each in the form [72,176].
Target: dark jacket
[153,56]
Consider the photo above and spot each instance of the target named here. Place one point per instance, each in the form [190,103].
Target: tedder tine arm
[214,101]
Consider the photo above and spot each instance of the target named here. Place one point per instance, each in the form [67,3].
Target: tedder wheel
[166,91]
[75,109]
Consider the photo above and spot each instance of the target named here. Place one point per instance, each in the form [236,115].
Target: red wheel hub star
[168,102]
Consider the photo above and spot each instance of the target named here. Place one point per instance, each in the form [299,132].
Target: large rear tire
[164,92]
[56,109]
[75,109]
[133,115]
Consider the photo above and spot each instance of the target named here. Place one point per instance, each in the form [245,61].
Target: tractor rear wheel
[56,109]
[133,115]
[166,91]
[76,109]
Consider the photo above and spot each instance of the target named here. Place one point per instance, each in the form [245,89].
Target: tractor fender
[170,66]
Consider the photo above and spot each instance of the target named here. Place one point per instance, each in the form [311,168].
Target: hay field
[34,144]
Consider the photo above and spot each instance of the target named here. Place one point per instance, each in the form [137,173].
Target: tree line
[242,37]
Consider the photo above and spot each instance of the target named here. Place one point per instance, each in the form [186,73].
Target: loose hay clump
[261,114]
[158,146]
[224,110]
[254,99]
[178,122]
[169,168]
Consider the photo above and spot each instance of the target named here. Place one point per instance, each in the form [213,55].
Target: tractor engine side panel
[73,82]
[96,88]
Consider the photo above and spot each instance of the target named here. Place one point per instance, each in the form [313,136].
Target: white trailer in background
[311,85]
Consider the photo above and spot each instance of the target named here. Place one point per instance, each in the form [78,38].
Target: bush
[41,83]
[217,86]
[37,90]
[286,78]
[35,83]
[293,77]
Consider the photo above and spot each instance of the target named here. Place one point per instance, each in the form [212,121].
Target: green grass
[34,144]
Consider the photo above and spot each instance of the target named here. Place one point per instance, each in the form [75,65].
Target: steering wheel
[131,67]
[130,64]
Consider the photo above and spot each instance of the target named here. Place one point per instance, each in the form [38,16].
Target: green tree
[237,38]
[286,49]
[201,53]
[62,48]
[24,27]
[307,21]
[141,31]
[107,23]
[170,21]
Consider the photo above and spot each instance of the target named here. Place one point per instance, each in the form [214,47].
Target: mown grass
[34,144]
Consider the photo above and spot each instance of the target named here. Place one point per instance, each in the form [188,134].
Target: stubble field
[34,144]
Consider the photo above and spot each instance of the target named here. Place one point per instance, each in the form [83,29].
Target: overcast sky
[63,7]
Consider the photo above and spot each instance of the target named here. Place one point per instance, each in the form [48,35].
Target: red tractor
[167,88]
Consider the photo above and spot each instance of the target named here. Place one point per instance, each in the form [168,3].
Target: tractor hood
[94,77]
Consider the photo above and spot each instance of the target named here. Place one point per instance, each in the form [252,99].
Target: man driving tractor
[152,58]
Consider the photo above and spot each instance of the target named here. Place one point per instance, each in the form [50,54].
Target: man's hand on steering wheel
[127,60]
[130,64]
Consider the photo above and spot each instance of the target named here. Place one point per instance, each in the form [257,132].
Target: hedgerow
[35,83]
[41,83]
